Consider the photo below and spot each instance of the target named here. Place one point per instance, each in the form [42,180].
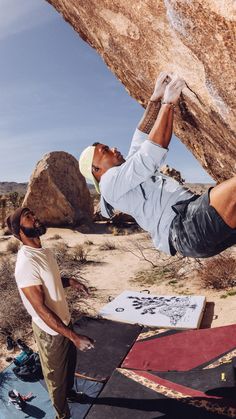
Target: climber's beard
[38,230]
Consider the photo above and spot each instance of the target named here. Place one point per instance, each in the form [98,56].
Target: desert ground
[110,261]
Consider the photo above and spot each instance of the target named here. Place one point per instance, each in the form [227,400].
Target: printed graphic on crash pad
[167,311]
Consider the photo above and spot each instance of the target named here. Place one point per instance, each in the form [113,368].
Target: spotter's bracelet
[168,103]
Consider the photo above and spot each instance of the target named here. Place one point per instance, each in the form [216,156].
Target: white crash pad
[165,311]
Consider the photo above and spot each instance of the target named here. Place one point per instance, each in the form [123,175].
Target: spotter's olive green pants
[58,356]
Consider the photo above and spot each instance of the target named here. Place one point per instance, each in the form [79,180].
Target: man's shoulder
[28,256]
[23,258]
[109,177]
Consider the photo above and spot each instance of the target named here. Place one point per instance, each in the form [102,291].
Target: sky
[56,93]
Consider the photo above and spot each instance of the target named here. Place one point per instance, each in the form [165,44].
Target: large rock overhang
[196,39]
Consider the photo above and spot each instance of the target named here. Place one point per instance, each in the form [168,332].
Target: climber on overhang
[197,226]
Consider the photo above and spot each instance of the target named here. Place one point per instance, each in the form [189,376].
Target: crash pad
[113,340]
[169,311]
[181,351]
[140,394]
[218,381]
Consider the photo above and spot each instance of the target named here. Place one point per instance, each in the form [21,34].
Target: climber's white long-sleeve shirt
[138,188]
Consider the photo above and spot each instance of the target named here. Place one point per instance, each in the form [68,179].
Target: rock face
[57,191]
[196,39]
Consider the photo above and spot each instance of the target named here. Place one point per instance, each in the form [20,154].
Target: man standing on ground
[41,290]
[177,220]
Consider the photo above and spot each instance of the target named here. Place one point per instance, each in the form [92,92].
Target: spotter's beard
[34,231]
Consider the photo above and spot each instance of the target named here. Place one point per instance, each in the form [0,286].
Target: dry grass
[219,272]
[115,231]
[70,260]
[89,243]
[79,253]
[13,246]
[13,316]
[61,252]
[55,237]
[78,305]
[107,245]
[151,277]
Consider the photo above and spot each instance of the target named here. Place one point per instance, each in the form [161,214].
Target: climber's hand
[173,90]
[163,79]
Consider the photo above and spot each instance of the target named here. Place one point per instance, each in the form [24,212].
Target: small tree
[14,199]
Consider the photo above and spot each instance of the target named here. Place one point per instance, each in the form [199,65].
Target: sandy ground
[112,271]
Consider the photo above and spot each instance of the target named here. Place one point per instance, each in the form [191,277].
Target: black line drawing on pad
[173,307]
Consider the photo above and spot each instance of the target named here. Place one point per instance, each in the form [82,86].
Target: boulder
[175,174]
[196,39]
[57,192]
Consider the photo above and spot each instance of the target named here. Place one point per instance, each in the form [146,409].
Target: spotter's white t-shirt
[39,267]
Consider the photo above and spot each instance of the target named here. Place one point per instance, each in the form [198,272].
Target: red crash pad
[180,351]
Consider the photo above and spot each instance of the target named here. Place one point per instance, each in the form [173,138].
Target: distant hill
[9,187]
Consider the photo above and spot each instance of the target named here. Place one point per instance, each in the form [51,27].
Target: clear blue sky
[56,93]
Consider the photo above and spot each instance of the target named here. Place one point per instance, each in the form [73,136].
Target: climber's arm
[162,130]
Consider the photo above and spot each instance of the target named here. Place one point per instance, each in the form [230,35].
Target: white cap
[85,165]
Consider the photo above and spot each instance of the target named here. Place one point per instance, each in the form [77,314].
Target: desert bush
[79,253]
[114,231]
[88,242]
[55,237]
[219,272]
[13,316]
[14,198]
[78,304]
[61,252]
[6,271]
[13,246]
[107,245]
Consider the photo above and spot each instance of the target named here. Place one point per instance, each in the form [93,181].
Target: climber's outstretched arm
[154,104]
[162,130]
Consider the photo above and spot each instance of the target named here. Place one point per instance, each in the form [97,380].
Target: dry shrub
[88,242]
[219,272]
[61,252]
[79,253]
[13,316]
[55,237]
[13,246]
[115,231]
[78,305]
[107,245]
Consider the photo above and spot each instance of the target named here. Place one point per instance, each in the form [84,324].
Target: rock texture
[57,191]
[196,39]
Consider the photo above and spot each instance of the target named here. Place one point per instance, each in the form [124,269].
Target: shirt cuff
[140,136]
[158,145]
[155,151]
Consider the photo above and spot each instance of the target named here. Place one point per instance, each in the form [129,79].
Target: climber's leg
[223,199]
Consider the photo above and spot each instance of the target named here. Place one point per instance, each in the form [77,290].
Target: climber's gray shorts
[198,230]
